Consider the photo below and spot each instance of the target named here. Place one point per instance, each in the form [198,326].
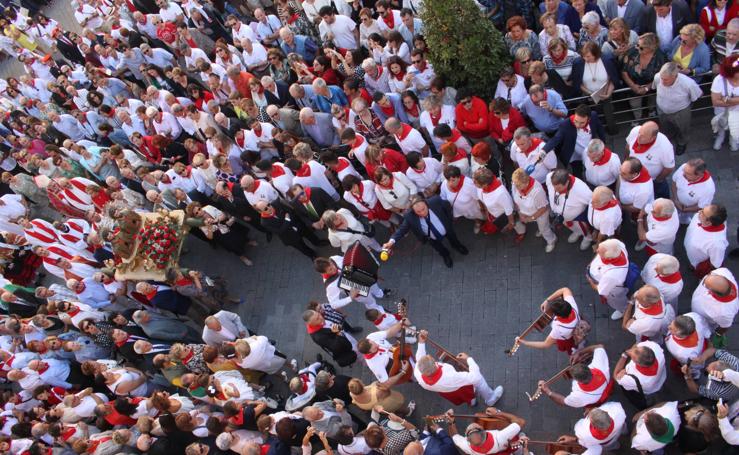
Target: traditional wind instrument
[539,324]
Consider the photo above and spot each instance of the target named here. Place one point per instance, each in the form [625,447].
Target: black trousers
[438,245]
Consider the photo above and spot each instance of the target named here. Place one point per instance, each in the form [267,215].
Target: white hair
[306,112]
[611,248]
[319,83]
[590,18]
[669,69]
[665,207]
[224,440]
[668,264]
[596,146]
[368,63]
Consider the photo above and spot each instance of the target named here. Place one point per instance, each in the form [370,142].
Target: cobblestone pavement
[478,307]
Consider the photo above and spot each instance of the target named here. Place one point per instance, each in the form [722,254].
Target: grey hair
[329,218]
[665,207]
[368,63]
[611,248]
[649,294]
[536,88]
[668,264]
[590,18]
[669,69]
[520,132]
[596,146]
[599,419]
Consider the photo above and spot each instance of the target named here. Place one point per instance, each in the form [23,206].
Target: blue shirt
[542,119]
[337,97]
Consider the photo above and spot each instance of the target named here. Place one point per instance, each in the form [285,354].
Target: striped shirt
[714,389]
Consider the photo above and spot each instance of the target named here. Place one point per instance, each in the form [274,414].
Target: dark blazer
[238,207]
[681,16]
[321,202]
[282,98]
[439,443]
[70,51]
[564,139]
[411,221]
[234,125]
[578,71]
[339,347]
[169,300]
[632,16]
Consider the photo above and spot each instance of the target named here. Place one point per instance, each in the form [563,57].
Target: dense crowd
[322,124]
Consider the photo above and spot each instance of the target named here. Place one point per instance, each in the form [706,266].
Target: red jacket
[515,120]
[709,21]
[392,160]
[468,122]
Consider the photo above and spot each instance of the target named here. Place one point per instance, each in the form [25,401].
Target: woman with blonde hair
[258,354]
[690,51]
[620,39]
[191,356]
[367,397]
[530,201]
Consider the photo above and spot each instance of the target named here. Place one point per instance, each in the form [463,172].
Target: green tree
[464,47]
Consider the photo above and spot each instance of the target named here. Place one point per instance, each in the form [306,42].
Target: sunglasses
[416,61]
[523,62]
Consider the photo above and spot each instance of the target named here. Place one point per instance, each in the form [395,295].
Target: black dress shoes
[448,261]
[463,250]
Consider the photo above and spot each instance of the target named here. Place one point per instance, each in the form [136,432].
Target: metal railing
[697,105]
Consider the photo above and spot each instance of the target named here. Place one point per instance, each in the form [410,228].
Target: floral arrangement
[159,240]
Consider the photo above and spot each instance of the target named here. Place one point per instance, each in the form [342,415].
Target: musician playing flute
[566,318]
[378,353]
[456,386]
[591,383]
[478,441]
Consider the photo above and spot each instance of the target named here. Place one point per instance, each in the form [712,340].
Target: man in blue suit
[431,221]
[434,440]
[570,142]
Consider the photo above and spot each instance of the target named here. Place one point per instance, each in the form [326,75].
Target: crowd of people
[322,124]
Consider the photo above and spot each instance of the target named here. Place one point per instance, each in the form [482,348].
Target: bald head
[648,296]
[719,285]
[663,208]
[602,195]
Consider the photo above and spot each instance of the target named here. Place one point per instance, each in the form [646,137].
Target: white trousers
[544,227]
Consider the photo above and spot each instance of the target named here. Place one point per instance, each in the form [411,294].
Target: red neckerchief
[653,310]
[266,215]
[460,155]
[460,183]
[151,294]
[189,356]
[528,188]
[304,171]
[494,185]
[68,433]
[42,369]
[240,140]
[434,377]
[643,176]
[380,69]
[689,341]
[641,148]
[672,278]
[705,177]
[455,135]
[405,131]
[343,164]
[651,370]
[597,380]
[617,261]
[183,282]
[399,76]
[358,140]
[419,171]
[560,59]
[293,18]
[413,110]
[535,141]
[423,66]
[389,20]
[610,204]
[727,298]
[718,228]
[435,118]
[121,343]
[369,355]
[572,316]
[585,128]
[486,445]
[277,171]
[602,434]
[388,110]
[93,445]
[379,320]
[238,419]
[304,380]
[313,328]
[661,218]
[390,185]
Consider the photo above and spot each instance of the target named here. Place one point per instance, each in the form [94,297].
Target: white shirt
[243,32]
[699,193]
[497,202]
[636,193]
[653,326]
[532,201]
[314,174]
[678,96]
[701,245]
[378,361]
[683,353]
[609,276]
[586,439]
[595,76]
[410,139]
[667,286]
[717,312]
[168,125]
[367,195]
[448,116]
[579,398]
[501,440]
[663,26]
[572,205]
[170,13]
[431,174]
[384,27]
[398,195]
[542,161]
[605,220]
[262,191]
[451,379]
[621,10]
[642,440]
[343,31]
[258,55]
[660,156]
[661,233]
[562,329]
[516,95]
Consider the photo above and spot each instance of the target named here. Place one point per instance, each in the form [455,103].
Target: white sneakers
[616,315]
[550,247]
[585,243]
[718,142]
[573,237]
[497,393]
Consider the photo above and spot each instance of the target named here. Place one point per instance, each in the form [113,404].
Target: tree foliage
[464,47]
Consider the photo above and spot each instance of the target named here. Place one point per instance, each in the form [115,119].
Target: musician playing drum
[378,353]
[456,386]
[562,305]
[591,383]
[478,441]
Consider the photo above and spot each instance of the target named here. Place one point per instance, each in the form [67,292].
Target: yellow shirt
[682,60]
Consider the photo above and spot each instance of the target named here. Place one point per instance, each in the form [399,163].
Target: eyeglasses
[416,61]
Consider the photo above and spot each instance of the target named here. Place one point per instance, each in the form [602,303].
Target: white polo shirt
[669,286]
[431,173]
[661,232]
[606,219]
[378,361]
[644,441]
[638,192]
[262,191]
[682,350]
[718,311]
[343,31]
[359,148]
[698,193]
[605,171]
[587,439]
[651,322]
[578,397]
[345,168]
[496,199]
[655,158]
[542,160]
[572,205]
[651,378]
[703,244]
[534,199]
[409,139]
[562,328]
[609,276]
